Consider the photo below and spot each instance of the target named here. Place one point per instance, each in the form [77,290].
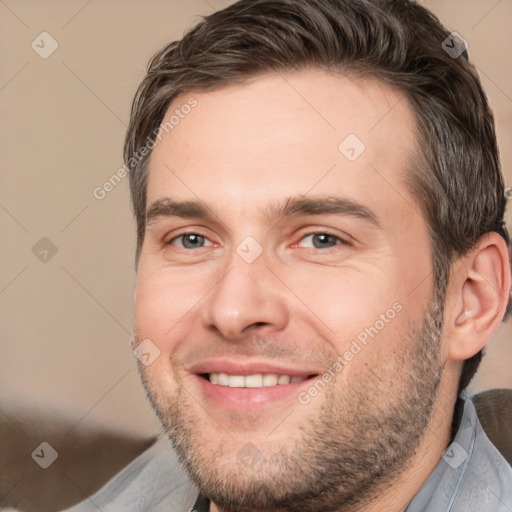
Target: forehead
[283,134]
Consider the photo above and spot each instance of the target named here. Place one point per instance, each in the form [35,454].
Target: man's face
[272,252]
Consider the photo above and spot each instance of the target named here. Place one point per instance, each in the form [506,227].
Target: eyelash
[303,236]
[185,234]
[341,241]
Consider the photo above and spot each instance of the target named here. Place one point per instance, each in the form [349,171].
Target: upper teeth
[257,380]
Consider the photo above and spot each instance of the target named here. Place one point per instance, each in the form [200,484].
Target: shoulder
[472,475]
[483,476]
[153,481]
[494,410]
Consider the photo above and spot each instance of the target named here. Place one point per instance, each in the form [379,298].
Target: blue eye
[190,241]
[320,241]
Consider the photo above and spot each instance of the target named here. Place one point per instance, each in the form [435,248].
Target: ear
[477,296]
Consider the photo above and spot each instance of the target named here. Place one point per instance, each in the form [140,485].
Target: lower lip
[250,398]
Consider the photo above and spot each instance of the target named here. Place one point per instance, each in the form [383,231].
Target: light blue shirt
[472,476]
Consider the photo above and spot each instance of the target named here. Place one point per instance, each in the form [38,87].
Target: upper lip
[233,367]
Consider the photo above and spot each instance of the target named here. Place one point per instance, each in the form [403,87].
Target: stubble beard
[341,457]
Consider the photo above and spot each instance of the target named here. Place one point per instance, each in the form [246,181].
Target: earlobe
[479,290]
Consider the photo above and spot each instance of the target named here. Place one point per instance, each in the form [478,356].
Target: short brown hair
[457,180]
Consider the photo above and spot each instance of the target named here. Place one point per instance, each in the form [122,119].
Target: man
[321,260]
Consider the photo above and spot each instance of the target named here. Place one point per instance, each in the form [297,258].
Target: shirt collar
[471,475]
[202,504]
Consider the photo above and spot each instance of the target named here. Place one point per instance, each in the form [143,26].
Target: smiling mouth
[257,380]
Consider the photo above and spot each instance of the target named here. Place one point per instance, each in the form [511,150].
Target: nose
[247,299]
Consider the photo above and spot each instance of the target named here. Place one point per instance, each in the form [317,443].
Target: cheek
[346,300]
[365,322]
[166,304]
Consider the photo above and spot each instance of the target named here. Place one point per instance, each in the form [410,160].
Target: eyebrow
[322,205]
[295,206]
[169,208]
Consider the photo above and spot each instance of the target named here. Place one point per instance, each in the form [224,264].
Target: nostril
[259,324]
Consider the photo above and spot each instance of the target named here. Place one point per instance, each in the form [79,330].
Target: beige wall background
[67,265]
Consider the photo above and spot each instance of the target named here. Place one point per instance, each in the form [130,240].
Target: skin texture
[374,433]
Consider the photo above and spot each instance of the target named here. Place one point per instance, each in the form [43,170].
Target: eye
[320,241]
[190,241]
